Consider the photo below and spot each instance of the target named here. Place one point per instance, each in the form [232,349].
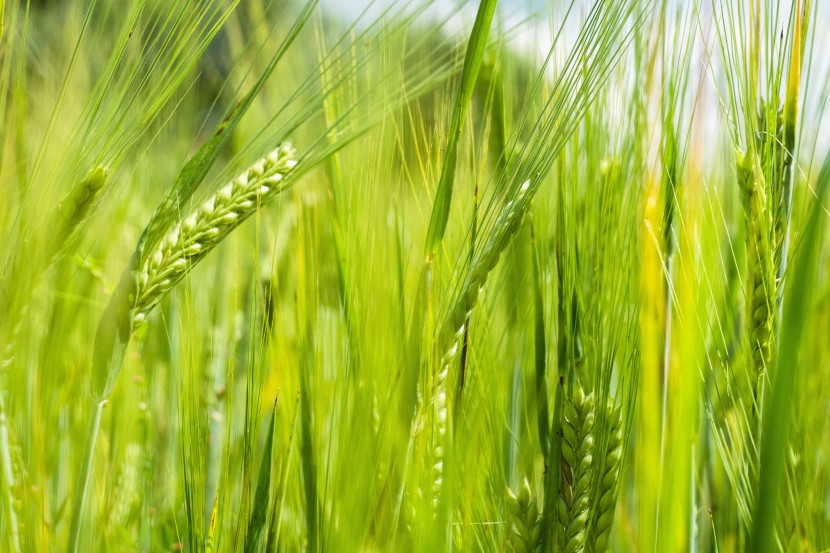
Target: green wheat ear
[574,506]
[759,257]
[192,239]
[139,290]
[524,529]
[764,176]
[154,273]
[69,214]
[606,498]
[76,206]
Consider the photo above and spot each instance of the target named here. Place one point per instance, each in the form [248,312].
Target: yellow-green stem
[7,477]
[83,477]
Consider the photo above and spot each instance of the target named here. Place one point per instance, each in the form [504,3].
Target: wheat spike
[75,207]
[574,504]
[763,182]
[439,435]
[509,221]
[524,530]
[191,239]
[759,261]
[606,498]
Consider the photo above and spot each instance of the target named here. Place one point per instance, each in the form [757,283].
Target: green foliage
[510,300]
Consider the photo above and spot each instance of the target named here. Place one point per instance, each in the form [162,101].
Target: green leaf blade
[469,75]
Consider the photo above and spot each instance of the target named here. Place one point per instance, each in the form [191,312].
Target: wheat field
[500,276]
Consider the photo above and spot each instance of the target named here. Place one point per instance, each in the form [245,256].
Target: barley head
[574,504]
[194,237]
[524,529]
[439,431]
[761,277]
[606,498]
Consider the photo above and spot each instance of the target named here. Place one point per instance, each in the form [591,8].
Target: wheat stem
[7,478]
[83,477]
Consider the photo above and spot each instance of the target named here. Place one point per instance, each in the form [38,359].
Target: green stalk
[6,475]
[469,74]
[111,341]
[309,471]
[83,477]
[542,416]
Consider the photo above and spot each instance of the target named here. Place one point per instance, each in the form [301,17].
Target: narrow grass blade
[212,527]
[540,351]
[309,465]
[465,344]
[469,74]
[83,478]
[259,510]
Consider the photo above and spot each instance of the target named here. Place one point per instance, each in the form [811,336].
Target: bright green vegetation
[276,280]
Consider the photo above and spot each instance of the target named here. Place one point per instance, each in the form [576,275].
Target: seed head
[191,239]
